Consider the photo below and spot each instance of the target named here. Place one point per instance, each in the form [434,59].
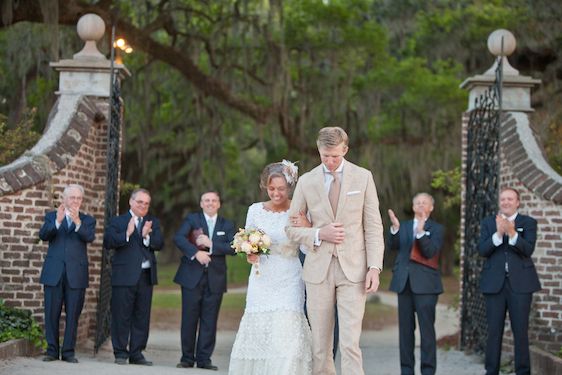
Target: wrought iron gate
[482,184]
[103,315]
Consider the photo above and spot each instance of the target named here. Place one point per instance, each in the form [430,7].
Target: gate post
[498,91]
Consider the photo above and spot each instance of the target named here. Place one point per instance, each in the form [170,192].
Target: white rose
[266,240]
[247,247]
[254,238]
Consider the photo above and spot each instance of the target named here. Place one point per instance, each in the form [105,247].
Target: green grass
[166,299]
[237,273]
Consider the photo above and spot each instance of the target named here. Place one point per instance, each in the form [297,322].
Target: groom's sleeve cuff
[375,267]
[317,241]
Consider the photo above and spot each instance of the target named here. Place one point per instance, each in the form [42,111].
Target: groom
[345,246]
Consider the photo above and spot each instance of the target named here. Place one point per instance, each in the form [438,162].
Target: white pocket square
[220,233]
[353,192]
[520,229]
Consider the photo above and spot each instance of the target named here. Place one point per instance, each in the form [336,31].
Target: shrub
[19,324]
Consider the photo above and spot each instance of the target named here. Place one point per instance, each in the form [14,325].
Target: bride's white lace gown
[274,335]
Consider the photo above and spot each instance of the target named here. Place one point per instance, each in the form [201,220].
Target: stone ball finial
[90,27]
[495,43]
[495,48]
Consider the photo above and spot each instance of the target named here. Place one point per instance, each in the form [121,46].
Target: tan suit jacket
[358,211]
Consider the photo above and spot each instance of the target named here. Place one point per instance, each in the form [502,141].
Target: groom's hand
[372,281]
[334,233]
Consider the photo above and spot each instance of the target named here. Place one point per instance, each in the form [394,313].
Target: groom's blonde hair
[332,136]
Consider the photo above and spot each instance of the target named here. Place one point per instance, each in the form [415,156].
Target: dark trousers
[518,305]
[422,305]
[130,318]
[73,300]
[200,310]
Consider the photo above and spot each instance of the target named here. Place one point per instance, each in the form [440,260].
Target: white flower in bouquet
[255,238]
[247,248]
[266,241]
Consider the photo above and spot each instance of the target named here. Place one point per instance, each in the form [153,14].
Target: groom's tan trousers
[350,298]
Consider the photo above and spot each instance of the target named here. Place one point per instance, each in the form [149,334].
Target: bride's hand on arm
[252,258]
[300,220]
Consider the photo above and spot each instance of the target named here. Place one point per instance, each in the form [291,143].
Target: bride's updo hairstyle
[286,169]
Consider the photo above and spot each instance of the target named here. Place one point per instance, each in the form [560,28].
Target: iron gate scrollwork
[481,197]
[103,315]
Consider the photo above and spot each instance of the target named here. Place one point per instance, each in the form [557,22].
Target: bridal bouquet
[251,241]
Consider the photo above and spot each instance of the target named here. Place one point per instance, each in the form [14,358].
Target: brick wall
[541,198]
[31,186]
[523,167]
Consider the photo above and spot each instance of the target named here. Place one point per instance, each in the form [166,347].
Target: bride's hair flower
[290,171]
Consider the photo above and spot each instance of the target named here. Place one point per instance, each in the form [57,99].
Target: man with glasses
[135,236]
[65,271]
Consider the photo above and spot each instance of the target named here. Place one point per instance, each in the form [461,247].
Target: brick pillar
[71,150]
[523,166]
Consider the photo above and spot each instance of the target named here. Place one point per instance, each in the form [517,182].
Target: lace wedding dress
[274,335]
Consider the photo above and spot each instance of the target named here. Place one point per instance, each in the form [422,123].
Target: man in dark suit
[202,276]
[65,270]
[135,236]
[508,279]
[417,281]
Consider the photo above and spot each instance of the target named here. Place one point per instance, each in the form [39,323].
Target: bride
[274,335]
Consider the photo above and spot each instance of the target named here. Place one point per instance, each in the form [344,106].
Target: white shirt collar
[133,215]
[207,217]
[338,169]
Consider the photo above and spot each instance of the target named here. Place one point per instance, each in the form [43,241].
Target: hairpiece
[290,171]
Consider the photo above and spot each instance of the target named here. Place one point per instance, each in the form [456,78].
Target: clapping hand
[131,227]
[394,220]
[147,228]
[74,215]
[60,213]
[504,226]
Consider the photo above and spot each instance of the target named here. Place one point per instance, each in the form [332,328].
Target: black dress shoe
[49,358]
[70,359]
[185,365]
[142,362]
[121,361]
[207,366]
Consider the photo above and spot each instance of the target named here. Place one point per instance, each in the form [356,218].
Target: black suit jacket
[190,270]
[423,279]
[67,249]
[523,276]
[126,262]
